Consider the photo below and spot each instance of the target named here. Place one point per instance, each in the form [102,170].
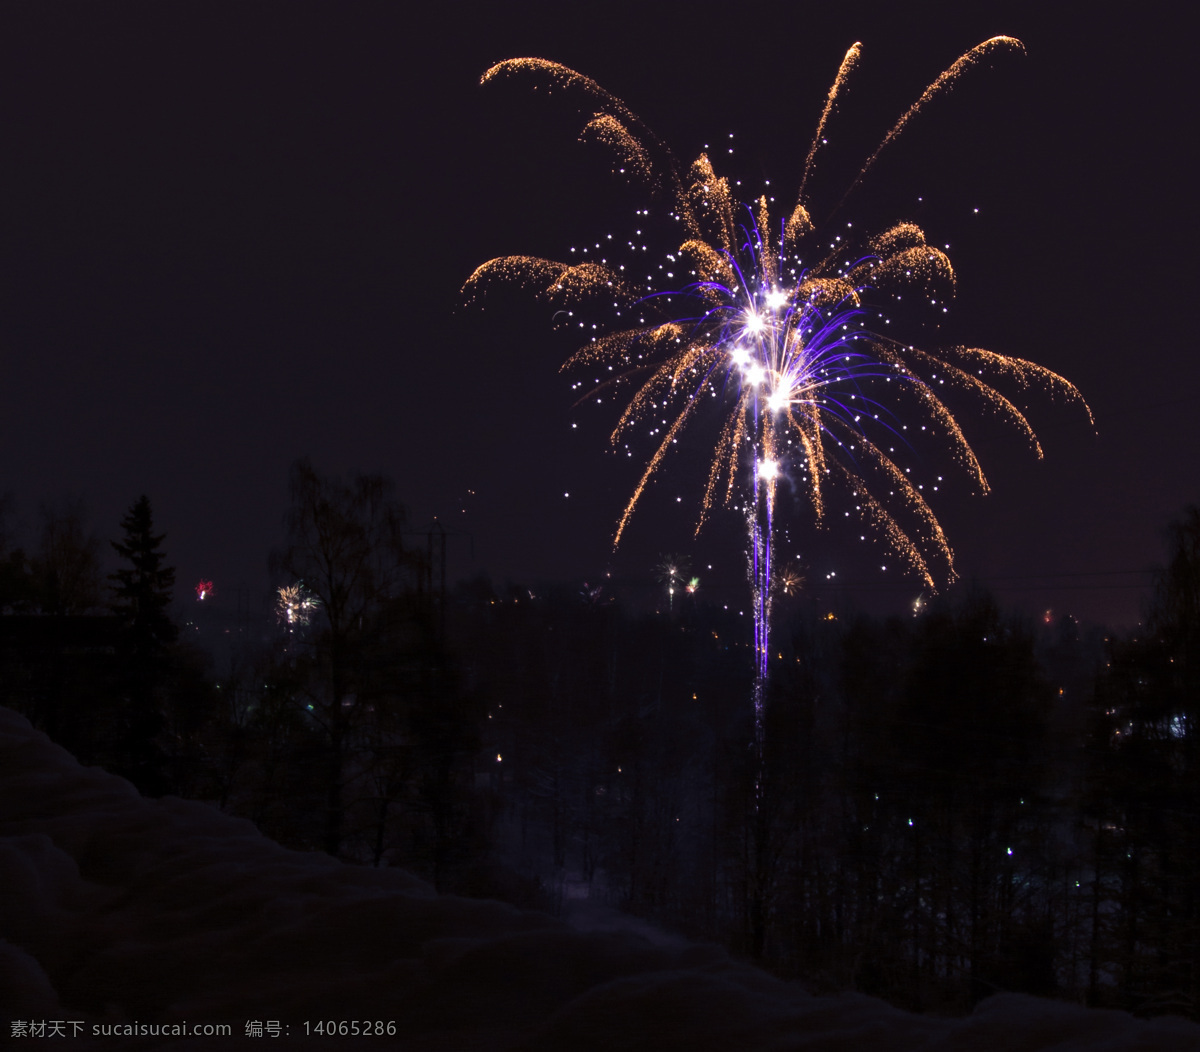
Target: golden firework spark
[295,605]
[766,323]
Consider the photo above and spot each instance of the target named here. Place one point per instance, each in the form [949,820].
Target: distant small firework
[205,590]
[789,581]
[673,571]
[591,593]
[295,604]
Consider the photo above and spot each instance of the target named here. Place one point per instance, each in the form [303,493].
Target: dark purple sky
[234,233]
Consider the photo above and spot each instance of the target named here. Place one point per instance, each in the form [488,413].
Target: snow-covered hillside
[118,912]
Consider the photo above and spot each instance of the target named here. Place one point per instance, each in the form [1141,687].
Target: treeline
[947,805]
[914,834]
[94,660]
[339,724]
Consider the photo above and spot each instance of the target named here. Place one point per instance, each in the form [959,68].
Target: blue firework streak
[794,366]
[791,355]
[794,356]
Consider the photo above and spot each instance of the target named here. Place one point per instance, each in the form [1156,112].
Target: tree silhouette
[16,578]
[141,597]
[67,567]
[1145,794]
[345,542]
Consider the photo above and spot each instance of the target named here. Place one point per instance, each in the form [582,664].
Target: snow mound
[118,912]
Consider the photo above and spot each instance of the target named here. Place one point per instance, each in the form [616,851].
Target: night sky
[234,234]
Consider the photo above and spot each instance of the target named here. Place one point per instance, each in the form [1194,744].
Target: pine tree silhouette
[141,597]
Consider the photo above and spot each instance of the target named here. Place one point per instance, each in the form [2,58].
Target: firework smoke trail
[774,331]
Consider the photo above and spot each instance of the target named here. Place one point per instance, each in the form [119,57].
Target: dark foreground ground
[118,912]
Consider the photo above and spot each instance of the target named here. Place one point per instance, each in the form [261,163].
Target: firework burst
[295,605]
[789,580]
[769,329]
[673,571]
